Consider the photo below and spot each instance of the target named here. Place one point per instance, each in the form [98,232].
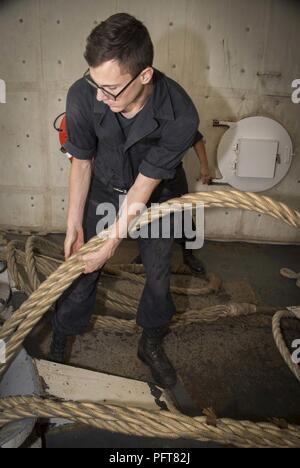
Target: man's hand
[200,150]
[94,261]
[74,240]
[204,175]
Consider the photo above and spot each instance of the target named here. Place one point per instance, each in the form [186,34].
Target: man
[136,124]
[195,265]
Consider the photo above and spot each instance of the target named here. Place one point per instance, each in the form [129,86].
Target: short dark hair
[123,38]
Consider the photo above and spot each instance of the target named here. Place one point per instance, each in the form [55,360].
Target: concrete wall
[214,48]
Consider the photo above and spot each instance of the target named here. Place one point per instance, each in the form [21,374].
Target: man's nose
[101,96]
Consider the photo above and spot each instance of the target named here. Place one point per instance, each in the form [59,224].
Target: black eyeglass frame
[88,78]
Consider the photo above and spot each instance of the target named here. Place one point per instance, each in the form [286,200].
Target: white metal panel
[256,158]
[255,129]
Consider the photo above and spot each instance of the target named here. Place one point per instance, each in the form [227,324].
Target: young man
[136,124]
[189,259]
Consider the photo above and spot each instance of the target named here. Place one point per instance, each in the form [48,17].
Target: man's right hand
[74,240]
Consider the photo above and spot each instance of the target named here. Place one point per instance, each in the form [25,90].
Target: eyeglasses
[106,93]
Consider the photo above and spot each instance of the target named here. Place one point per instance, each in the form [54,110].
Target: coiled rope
[140,422]
[36,266]
[132,420]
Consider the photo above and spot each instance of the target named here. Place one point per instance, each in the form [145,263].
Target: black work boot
[58,348]
[150,351]
[192,262]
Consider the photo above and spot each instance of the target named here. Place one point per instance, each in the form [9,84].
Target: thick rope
[235,199]
[140,422]
[35,264]
[14,270]
[287,273]
[206,315]
[46,265]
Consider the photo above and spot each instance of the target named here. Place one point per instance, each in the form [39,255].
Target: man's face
[110,76]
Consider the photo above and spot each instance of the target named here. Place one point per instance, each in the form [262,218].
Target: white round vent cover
[254,154]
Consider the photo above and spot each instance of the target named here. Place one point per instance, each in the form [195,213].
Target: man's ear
[146,75]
